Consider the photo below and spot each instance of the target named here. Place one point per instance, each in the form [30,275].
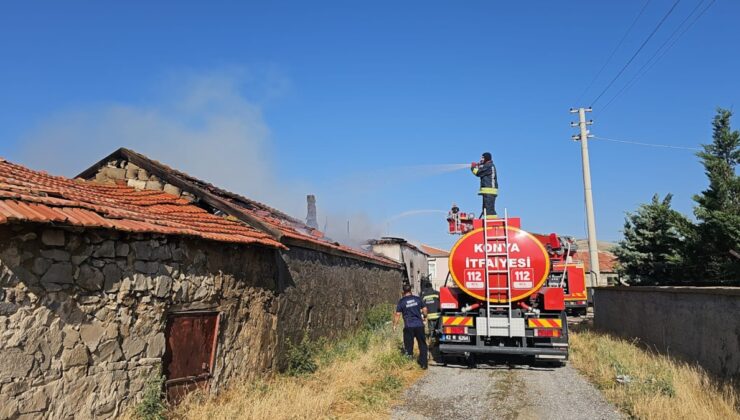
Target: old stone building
[103,286]
[414,260]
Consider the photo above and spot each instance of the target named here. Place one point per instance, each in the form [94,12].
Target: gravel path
[505,391]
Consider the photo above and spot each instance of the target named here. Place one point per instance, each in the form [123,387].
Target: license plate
[458,338]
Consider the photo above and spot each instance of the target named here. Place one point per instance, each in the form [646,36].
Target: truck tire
[437,356]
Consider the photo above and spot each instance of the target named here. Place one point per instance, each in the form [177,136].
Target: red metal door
[190,352]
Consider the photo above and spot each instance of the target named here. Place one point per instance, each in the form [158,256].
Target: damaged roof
[32,196]
[280,226]
[390,240]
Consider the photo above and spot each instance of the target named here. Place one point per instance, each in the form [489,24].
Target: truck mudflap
[519,351]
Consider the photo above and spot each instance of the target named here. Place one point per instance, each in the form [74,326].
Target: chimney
[311,216]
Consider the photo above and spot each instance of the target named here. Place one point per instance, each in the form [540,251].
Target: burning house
[135,268]
[414,260]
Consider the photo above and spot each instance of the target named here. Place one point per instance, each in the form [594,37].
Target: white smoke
[412,213]
[204,125]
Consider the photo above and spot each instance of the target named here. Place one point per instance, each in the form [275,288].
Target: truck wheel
[471,362]
[437,356]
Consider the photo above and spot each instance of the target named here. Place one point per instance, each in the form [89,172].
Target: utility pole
[592,246]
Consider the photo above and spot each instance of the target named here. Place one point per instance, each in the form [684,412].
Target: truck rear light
[546,333]
[456,330]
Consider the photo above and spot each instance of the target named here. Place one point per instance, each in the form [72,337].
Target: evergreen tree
[718,209]
[654,245]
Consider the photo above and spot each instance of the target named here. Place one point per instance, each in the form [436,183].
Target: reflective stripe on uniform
[434,315]
[488,190]
[475,170]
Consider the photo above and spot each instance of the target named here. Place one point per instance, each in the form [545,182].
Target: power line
[608,60]
[650,61]
[667,146]
[636,52]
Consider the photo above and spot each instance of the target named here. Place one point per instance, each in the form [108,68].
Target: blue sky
[352,100]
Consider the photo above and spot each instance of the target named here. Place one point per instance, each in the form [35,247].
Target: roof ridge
[211,186]
[47,198]
[276,223]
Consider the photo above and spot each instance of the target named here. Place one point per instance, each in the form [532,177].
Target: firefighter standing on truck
[486,171]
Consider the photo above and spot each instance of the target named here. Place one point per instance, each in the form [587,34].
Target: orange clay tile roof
[32,196]
[607,260]
[283,225]
[434,252]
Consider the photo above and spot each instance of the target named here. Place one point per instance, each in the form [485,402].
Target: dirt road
[503,391]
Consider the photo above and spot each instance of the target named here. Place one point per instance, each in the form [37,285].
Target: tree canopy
[655,238]
[661,246]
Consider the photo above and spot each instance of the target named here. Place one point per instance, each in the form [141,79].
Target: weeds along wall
[696,324]
[327,294]
[84,313]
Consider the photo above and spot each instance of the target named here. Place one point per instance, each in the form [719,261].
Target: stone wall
[83,312]
[697,324]
[326,294]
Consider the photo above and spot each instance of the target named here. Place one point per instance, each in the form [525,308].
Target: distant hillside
[601,245]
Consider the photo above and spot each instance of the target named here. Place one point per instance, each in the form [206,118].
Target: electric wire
[638,143]
[650,61]
[614,51]
[657,27]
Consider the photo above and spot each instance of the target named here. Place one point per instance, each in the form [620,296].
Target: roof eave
[216,202]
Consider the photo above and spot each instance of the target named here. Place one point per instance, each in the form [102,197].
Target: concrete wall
[695,324]
[417,266]
[415,261]
[442,268]
[83,312]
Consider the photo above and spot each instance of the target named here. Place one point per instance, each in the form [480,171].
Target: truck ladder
[506,272]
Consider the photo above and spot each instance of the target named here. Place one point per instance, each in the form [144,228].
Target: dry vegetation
[357,377]
[653,386]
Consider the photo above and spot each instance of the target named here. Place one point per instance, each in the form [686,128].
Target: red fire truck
[566,272]
[506,294]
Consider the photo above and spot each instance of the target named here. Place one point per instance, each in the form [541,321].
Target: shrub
[152,405]
[301,357]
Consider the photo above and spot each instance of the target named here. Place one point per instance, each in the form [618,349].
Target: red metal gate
[190,352]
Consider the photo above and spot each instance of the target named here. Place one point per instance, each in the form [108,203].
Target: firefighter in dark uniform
[413,311]
[486,171]
[430,297]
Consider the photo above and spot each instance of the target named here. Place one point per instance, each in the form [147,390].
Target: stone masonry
[83,312]
[138,178]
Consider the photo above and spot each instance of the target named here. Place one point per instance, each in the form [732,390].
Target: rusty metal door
[190,352]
